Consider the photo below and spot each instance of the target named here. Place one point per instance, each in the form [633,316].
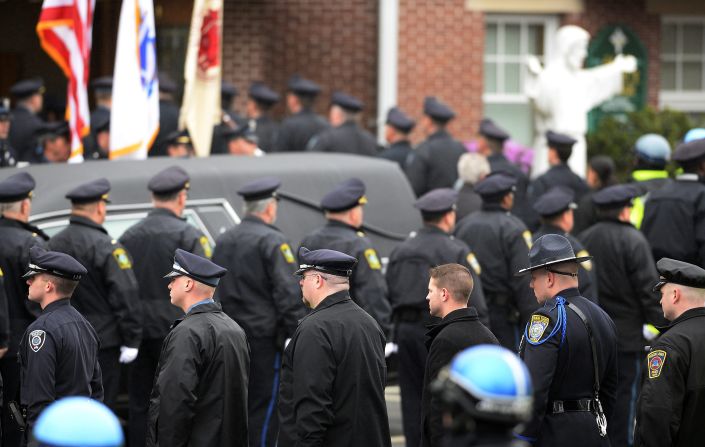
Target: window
[683,63]
[509,39]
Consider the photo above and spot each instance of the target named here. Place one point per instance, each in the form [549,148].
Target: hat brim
[334,272]
[173,274]
[659,285]
[557,261]
[31,273]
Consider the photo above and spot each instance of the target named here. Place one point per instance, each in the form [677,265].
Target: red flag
[65,30]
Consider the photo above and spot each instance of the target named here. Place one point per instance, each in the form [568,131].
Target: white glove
[128,355]
[649,332]
[286,342]
[389,349]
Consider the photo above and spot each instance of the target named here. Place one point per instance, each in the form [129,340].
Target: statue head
[571,45]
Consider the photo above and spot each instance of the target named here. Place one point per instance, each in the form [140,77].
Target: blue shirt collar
[206,301]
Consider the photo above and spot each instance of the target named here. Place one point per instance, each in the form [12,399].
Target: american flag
[65,30]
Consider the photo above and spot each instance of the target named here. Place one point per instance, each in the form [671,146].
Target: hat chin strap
[574,275]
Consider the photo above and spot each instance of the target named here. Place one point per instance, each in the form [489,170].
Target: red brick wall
[441,45]
[632,13]
[332,42]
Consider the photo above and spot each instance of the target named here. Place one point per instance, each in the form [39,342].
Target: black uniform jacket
[297,130]
[199,397]
[501,243]
[152,243]
[260,290]
[266,130]
[435,163]
[367,285]
[347,138]
[468,201]
[16,238]
[58,358]
[168,123]
[625,275]
[522,206]
[559,175]
[332,379]
[459,329]
[407,272]
[401,152]
[564,372]
[23,134]
[672,400]
[586,272]
[107,295]
[674,220]
[229,120]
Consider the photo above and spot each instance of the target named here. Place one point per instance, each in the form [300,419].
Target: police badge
[36,339]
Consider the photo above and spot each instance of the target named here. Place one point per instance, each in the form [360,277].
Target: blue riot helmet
[78,422]
[487,383]
[653,148]
[694,134]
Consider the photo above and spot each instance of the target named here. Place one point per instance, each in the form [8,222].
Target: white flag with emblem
[134,117]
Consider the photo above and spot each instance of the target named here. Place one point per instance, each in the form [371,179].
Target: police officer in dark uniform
[59,351]
[651,154]
[200,388]
[229,119]
[96,145]
[152,243]
[625,274]
[333,372]
[435,162]
[407,281]
[556,207]
[345,135]
[297,130]
[259,103]
[570,348]
[560,147]
[262,295]
[344,211]
[17,236]
[501,243]
[396,132]
[670,407]
[168,115]
[108,295]
[491,145]
[8,157]
[26,123]
[674,216]
[180,145]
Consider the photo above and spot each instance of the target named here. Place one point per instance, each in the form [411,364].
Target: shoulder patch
[372,259]
[587,265]
[655,361]
[473,262]
[207,250]
[123,261]
[286,251]
[1,273]
[36,339]
[527,238]
[537,326]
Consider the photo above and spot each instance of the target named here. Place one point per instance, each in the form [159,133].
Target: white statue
[563,93]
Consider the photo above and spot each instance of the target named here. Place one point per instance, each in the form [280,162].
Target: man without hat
[152,242]
[407,281]
[669,410]
[108,295]
[262,295]
[435,161]
[625,272]
[168,115]
[651,154]
[674,215]
[333,372]
[297,129]
[343,207]
[29,100]
[472,167]
[501,243]
[260,101]
[200,388]
[345,135]
[556,207]
[570,348]
[229,119]
[491,144]
[396,132]
[17,236]
[59,350]
[449,289]
[8,157]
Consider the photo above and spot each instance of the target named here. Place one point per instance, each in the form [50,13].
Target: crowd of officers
[570,289]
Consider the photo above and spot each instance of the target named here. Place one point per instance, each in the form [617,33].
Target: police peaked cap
[16,187]
[346,101]
[302,86]
[260,189]
[325,261]
[261,93]
[346,195]
[54,263]
[436,201]
[102,84]
[555,201]
[169,180]
[89,192]
[489,129]
[399,120]
[555,139]
[27,87]
[495,186]
[196,267]
[437,110]
[617,196]
[691,151]
[679,272]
